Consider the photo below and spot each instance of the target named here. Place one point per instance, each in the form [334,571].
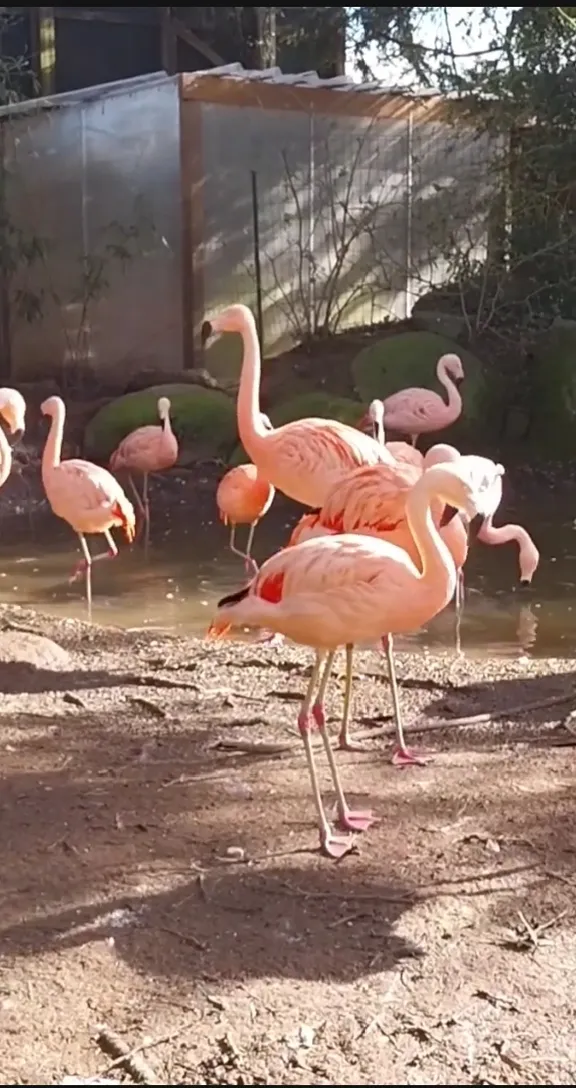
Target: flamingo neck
[436,562]
[53,449]
[5,457]
[507,534]
[251,427]
[454,399]
[167,426]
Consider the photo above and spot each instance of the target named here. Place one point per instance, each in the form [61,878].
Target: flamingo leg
[414,439]
[459,608]
[84,567]
[333,845]
[402,756]
[146,504]
[345,744]
[251,566]
[348,819]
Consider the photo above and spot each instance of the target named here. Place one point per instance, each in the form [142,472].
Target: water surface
[188,568]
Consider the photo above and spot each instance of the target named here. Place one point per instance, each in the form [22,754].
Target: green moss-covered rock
[204,421]
[410,359]
[321,405]
[553,398]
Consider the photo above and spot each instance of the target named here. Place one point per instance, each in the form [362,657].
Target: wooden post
[168,41]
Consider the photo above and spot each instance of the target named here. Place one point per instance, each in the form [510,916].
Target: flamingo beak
[218,629]
[448,515]
[206,332]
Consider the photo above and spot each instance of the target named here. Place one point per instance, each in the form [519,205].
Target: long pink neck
[5,458]
[503,534]
[454,406]
[53,448]
[438,569]
[250,424]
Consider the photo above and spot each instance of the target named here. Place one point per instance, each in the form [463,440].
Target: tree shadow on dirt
[19,678]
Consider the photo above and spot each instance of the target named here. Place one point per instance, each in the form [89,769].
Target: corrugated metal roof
[239,74]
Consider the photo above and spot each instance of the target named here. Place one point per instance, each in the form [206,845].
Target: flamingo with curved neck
[87,496]
[335,590]
[13,413]
[529,556]
[305,457]
[417,411]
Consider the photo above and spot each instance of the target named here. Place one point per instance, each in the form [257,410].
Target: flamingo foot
[336,846]
[270,638]
[347,745]
[78,571]
[408,757]
[355,820]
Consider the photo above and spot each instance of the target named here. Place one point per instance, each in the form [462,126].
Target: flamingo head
[52,406]
[529,560]
[452,365]
[13,412]
[163,408]
[267,422]
[373,420]
[234,318]
[465,486]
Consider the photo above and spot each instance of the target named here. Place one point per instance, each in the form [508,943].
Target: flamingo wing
[82,492]
[139,451]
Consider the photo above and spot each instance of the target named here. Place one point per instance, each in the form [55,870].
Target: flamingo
[305,457]
[373,501]
[400,451]
[87,496]
[420,411]
[153,448]
[529,556]
[13,413]
[243,497]
[330,591]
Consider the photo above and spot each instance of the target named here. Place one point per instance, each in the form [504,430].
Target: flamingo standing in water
[87,496]
[505,534]
[243,497]
[330,591]
[153,448]
[303,458]
[417,411]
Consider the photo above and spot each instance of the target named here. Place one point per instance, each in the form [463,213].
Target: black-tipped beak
[458,381]
[449,513]
[17,436]
[524,583]
[205,332]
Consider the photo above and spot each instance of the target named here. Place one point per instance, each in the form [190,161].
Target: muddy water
[187,570]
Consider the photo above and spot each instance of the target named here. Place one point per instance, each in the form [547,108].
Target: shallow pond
[188,569]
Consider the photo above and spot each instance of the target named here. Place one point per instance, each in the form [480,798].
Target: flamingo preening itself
[87,496]
[303,458]
[153,448]
[332,591]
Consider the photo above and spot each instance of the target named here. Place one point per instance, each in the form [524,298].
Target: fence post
[311,225]
[409,195]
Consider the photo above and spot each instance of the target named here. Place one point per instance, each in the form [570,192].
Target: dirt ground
[160,882]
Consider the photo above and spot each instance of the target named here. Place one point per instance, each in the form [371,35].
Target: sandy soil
[161,883]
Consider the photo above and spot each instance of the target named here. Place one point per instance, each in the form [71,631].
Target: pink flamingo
[153,448]
[529,555]
[243,498]
[13,412]
[400,451]
[303,458]
[85,495]
[330,591]
[421,411]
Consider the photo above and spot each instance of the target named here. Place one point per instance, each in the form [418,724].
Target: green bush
[204,421]
[553,397]
[321,405]
[410,359]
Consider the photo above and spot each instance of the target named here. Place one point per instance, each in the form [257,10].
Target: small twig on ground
[74,700]
[164,682]
[528,936]
[112,1045]
[148,1046]
[188,938]
[470,719]
[253,747]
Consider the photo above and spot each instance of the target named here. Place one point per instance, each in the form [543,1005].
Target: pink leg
[334,846]
[402,756]
[348,819]
[82,566]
